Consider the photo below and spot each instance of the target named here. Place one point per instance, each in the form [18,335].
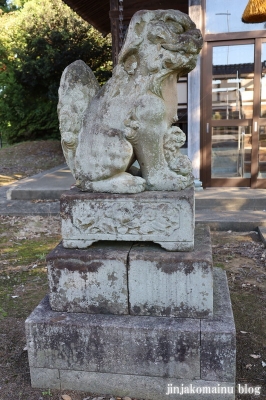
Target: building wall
[195,13]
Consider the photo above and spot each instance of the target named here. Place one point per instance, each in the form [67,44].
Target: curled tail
[78,86]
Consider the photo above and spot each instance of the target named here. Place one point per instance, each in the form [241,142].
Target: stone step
[230,199]
[230,204]
[239,221]
[51,184]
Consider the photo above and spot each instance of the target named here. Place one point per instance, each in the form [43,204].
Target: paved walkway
[46,185]
[222,208]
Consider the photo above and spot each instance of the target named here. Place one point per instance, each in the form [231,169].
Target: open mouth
[171,47]
[180,47]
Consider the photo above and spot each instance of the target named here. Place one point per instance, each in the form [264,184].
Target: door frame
[227,39]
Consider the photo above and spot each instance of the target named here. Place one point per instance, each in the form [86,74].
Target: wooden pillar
[113,14]
[195,13]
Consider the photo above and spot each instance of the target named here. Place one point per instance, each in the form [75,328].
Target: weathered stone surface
[166,218]
[218,336]
[133,114]
[93,281]
[154,388]
[134,356]
[45,378]
[148,346]
[109,275]
[178,284]
[146,387]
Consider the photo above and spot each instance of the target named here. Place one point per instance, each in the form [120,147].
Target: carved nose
[196,36]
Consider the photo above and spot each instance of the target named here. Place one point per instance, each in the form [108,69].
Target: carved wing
[78,86]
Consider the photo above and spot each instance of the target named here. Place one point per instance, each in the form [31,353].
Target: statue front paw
[168,180]
[120,183]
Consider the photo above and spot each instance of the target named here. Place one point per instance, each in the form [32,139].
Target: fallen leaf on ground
[66,397]
[255,355]
[263,363]
[248,366]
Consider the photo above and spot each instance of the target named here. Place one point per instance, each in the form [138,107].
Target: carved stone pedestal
[137,356]
[166,218]
[132,319]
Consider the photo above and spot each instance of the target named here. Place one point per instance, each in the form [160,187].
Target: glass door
[234,126]
[261,156]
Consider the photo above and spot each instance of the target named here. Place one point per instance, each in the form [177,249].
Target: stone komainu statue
[104,130]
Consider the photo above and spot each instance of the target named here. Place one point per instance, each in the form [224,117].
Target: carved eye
[174,26]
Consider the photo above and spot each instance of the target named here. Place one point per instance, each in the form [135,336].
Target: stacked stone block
[128,317]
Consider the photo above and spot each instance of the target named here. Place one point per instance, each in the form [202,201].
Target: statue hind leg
[102,159]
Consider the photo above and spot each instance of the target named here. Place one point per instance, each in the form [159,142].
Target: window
[225,16]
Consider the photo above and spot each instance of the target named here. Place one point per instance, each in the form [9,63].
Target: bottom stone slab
[136,356]
[141,387]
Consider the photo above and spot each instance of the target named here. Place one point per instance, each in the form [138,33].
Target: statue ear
[130,62]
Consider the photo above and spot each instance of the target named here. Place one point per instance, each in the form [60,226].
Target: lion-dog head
[159,43]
